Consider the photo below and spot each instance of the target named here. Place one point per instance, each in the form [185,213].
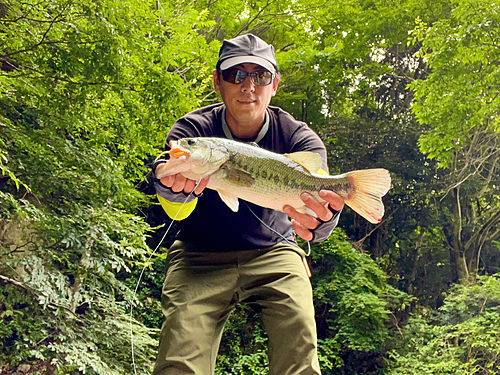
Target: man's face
[245,103]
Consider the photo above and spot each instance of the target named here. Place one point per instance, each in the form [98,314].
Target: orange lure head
[176,150]
[179,161]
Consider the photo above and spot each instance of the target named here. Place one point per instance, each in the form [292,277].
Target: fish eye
[191,142]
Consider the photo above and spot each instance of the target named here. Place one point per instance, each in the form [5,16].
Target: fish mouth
[179,161]
[173,166]
[176,151]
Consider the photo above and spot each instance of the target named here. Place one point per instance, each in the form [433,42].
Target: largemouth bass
[271,180]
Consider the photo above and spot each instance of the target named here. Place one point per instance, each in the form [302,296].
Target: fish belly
[264,193]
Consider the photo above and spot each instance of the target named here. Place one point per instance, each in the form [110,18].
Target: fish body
[243,171]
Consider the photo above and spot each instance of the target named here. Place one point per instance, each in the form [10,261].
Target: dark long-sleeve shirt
[212,223]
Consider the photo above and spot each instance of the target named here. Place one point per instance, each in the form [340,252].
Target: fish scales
[242,171]
[272,173]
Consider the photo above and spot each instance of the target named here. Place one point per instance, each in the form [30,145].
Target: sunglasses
[237,76]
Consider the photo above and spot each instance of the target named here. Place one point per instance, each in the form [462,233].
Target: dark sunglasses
[237,76]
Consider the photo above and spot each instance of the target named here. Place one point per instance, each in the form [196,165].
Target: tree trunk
[453,233]
[50,369]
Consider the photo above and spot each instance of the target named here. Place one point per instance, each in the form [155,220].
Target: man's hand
[177,182]
[304,224]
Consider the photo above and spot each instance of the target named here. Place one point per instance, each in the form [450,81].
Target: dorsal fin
[310,161]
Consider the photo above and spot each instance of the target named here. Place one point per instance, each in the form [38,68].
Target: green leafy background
[88,91]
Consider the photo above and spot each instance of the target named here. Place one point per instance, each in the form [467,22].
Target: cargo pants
[201,288]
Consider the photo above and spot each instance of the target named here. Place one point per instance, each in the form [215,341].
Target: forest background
[88,91]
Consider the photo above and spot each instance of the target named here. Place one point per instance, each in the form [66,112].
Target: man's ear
[216,81]
[275,84]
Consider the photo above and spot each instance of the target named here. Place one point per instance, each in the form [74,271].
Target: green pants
[202,288]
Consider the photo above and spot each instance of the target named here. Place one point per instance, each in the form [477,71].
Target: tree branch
[14,282]
[43,36]
[19,247]
[32,291]
[358,245]
[481,236]
[48,44]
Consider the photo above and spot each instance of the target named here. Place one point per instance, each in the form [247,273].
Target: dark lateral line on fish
[244,163]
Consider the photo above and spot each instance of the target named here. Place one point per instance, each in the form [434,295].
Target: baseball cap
[247,48]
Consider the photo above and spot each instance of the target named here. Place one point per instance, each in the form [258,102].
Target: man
[221,257]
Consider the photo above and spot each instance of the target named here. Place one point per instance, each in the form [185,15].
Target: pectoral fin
[229,199]
[238,177]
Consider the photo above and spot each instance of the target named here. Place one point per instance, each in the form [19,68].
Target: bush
[461,338]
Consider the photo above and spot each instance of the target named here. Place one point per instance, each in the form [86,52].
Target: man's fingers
[201,186]
[336,201]
[302,232]
[304,224]
[306,221]
[189,186]
[321,209]
[179,183]
[168,181]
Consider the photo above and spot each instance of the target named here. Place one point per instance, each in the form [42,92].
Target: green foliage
[353,304]
[461,338]
[61,301]
[351,286]
[244,345]
[461,92]
[88,91]
[459,102]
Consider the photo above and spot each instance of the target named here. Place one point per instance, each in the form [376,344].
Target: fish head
[194,158]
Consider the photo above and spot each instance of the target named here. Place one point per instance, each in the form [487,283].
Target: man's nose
[247,84]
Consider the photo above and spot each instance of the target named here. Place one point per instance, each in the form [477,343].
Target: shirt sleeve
[323,231]
[177,206]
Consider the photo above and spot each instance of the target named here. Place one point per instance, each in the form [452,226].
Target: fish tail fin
[369,186]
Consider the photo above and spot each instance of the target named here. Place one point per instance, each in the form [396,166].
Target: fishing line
[142,273]
[278,233]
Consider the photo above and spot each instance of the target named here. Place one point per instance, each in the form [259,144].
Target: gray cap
[247,49]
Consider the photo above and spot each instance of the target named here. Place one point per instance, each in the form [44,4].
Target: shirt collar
[229,135]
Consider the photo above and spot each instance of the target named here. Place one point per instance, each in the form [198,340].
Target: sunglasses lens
[262,78]
[229,75]
[240,76]
[237,76]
